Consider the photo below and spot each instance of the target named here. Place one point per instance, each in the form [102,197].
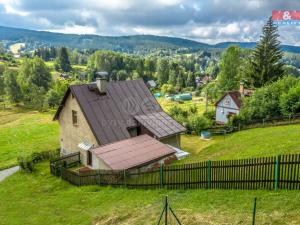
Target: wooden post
[161,175]
[277,173]
[209,174]
[254,212]
[125,184]
[206,101]
[166,211]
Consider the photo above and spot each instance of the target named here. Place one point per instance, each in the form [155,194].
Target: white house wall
[224,108]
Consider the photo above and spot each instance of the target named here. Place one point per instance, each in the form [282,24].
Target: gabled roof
[236,97]
[111,114]
[132,152]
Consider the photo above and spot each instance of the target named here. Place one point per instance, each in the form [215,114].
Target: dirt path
[8,172]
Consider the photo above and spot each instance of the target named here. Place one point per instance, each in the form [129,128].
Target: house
[94,116]
[230,104]
[200,81]
[151,84]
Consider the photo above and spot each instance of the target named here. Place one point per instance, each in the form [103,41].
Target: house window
[74,117]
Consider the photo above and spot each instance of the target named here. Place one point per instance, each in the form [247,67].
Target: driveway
[8,172]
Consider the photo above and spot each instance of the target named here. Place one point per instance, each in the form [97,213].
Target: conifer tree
[64,61]
[266,57]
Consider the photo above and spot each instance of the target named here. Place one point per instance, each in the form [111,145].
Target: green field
[198,101]
[259,142]
[22,133]
[40,198]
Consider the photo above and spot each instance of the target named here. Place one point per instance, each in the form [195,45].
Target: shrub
[26,163]
[290,102]
[176,111]
[167,89]
[211,115]
[198,123]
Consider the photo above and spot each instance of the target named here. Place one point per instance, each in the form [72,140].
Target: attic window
[74,117]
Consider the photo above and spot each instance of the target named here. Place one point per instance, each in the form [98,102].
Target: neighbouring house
[200,81]
[94,116]
[230,104]
[151,84]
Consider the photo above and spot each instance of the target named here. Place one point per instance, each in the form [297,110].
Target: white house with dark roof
[230,104]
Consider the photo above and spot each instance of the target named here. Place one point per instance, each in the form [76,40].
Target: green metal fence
[281,172]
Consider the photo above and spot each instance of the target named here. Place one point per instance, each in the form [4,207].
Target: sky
[209,21]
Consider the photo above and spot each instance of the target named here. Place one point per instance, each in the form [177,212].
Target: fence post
[161,175]
[277,172]
[263,122]
[209,174]
[166,212]
[125,184]
[254,212]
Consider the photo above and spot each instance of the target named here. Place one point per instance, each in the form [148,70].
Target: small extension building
[116,125]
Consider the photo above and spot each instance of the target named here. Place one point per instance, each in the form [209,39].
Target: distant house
[116,125]
[230,104]
[200,81]
[151,84]
[64,76]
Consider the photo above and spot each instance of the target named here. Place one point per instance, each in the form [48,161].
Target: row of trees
[31,85]
[172,71]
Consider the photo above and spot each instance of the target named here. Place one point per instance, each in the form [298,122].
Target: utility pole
[206,100]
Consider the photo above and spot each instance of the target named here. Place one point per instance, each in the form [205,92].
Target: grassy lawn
[40,198]
[199,102]
[257,142]
[22,133]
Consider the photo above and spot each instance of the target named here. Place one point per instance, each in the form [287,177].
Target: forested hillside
[139,44]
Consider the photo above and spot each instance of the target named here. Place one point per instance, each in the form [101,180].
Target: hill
[129,44]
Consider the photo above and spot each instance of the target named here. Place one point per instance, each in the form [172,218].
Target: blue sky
[210,21]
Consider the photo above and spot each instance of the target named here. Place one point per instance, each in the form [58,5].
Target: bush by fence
[281,172]
[26,163]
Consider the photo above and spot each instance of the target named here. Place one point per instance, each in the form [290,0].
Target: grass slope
[259,142]
[22,133]
[40,198]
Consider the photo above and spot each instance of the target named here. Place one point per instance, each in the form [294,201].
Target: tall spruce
[266,57]
[64,61]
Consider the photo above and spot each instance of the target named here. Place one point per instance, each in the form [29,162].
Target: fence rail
[66,161]
[281,172]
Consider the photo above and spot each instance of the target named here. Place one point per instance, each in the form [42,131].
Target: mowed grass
[40,198]
[259,142]
[22,133]
[199,102]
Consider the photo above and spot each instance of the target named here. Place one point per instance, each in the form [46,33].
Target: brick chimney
[101,84]
[242,89]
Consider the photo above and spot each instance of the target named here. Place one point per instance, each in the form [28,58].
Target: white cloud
[230,29]
[74,29]
[10,10]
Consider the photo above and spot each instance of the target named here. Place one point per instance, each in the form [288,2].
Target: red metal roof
[132,152]
[236,97]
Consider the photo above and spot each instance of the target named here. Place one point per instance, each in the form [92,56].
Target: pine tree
[266,57]
[191,82]
[163,71]
[64,61]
